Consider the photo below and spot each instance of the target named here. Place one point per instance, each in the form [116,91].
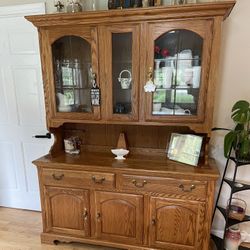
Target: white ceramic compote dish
[120,153]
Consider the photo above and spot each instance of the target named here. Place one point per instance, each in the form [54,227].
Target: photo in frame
[185,148]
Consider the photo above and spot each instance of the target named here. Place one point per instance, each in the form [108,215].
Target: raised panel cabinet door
[122,66]
[67,211]
[176,224]
[119,217]
[71,73]
[178,64]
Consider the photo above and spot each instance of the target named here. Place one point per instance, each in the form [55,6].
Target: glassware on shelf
[237,209]
[74,6]
[168,2]
[180,1]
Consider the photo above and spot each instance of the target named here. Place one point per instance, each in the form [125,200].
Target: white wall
[233,85]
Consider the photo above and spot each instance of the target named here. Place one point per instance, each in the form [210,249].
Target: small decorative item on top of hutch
[95,190]
[181,1]
[136,3]
[157,2]
[59,6]
[74,6]
[145,3]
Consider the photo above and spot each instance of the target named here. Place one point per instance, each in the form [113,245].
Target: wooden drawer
[69,178]
[162,185]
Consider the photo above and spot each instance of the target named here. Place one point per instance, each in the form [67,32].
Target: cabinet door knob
[57,177]
[182,187]
[139,185]
[153,222]
[98,216]
[85,214]
[98,181]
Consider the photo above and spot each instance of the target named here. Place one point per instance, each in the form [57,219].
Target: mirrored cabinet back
[142,74]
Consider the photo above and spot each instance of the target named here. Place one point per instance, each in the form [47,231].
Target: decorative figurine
[181,1]
[95,91]
[150,86]
[74,6]
[59,6]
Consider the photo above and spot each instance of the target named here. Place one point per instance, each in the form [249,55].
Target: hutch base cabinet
[142,203]
[147,73]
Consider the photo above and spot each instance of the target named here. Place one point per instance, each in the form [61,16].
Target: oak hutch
[146,201]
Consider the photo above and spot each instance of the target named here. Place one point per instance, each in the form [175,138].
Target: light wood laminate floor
[20,230]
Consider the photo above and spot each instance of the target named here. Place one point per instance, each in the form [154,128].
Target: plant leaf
[229,141]
[239,127]
[245,148]
[241,112]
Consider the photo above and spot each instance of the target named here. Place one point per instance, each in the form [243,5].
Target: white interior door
[22,113]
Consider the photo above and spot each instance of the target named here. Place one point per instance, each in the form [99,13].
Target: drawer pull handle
[85,214]
[182,187]
[100,181]
[139,185]
[58,177]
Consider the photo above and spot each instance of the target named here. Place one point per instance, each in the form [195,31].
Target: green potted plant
[239,137]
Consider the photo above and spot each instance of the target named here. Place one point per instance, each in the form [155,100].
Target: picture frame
[185,148]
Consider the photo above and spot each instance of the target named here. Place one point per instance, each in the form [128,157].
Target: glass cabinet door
[73,77]
[123,73]
[179,72]
[72,74]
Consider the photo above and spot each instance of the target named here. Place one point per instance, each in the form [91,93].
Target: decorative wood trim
[221,8]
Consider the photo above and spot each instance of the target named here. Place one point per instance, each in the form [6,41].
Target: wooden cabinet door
[119,217]
[69,59]
[122,65]
[178,55]
[67,211]
[176,224]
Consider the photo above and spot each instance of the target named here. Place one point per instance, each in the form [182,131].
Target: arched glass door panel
[72,74]
[177,73]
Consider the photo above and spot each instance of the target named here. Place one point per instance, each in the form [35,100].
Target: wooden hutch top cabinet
[98,70]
